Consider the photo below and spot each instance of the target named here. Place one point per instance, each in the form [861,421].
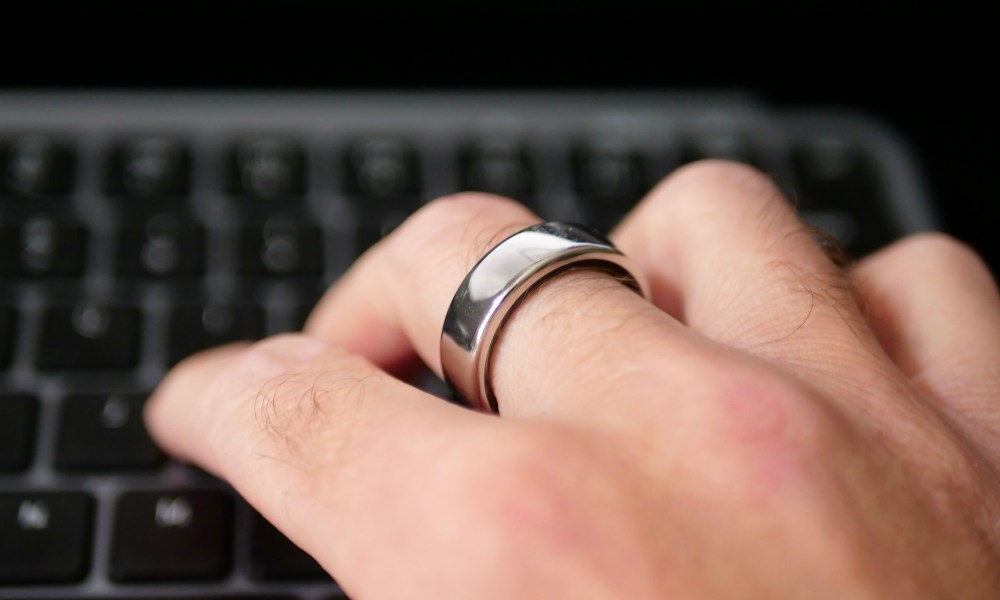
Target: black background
[925,68]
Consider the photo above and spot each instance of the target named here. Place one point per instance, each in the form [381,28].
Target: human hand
[772,425]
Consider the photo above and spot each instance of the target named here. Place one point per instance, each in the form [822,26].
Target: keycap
[267,168]
[104,432]
[383,169]
[36,165]
[44,537]
[609,176]
[18,413]
[89,336]
[836,178]
[497,165]
[149,166]
[171,535]
[195,328]
[273,556]
[165,245]
[42,246]
[280,246]
[727,145]
[6,335]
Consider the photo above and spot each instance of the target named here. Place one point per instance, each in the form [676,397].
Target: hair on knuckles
[291,408]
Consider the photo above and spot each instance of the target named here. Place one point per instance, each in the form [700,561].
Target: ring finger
[577,338]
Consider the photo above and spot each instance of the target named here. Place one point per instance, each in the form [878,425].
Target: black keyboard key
[44,537]
[383,169]
[104,432]
[498,165]
[42,246]
[267,168]
[6,335]
[609,176]
[164,246]
[89,336]
[149,167]
[35,165]
[195,328]
[18,414]
[282,246]
[273,556]
[836,177]
[172,535]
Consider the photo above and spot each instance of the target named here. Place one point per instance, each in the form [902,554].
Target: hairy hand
[772,425]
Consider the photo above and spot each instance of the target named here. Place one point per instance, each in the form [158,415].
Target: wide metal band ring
[500,281]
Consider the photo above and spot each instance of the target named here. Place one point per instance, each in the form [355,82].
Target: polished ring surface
[500,281]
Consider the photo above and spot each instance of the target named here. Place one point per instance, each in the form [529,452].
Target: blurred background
[923,68]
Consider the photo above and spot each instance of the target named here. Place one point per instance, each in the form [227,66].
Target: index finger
[318,440]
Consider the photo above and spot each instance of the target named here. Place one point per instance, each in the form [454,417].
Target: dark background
[925,68]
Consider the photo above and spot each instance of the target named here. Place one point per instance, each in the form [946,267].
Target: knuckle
[717,198]
[289,386]
[448,222]
[445,213]
[940,249]
[273,356]
[928,256]
[714,170]
[713,184]
[468,201]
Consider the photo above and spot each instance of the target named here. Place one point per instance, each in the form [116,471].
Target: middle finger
[730,258]
[729,255]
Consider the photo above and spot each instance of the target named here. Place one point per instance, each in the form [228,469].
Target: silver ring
[500,281]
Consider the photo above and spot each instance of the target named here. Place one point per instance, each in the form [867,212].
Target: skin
[771,425]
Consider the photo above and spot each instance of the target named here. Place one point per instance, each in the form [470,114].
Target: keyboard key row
[387,168]
[91,335]
[380,168]
[170,247]
[156,166]
[168,535]
[96,336]
[164,245]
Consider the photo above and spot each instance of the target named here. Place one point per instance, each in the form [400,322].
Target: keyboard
[136,229]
